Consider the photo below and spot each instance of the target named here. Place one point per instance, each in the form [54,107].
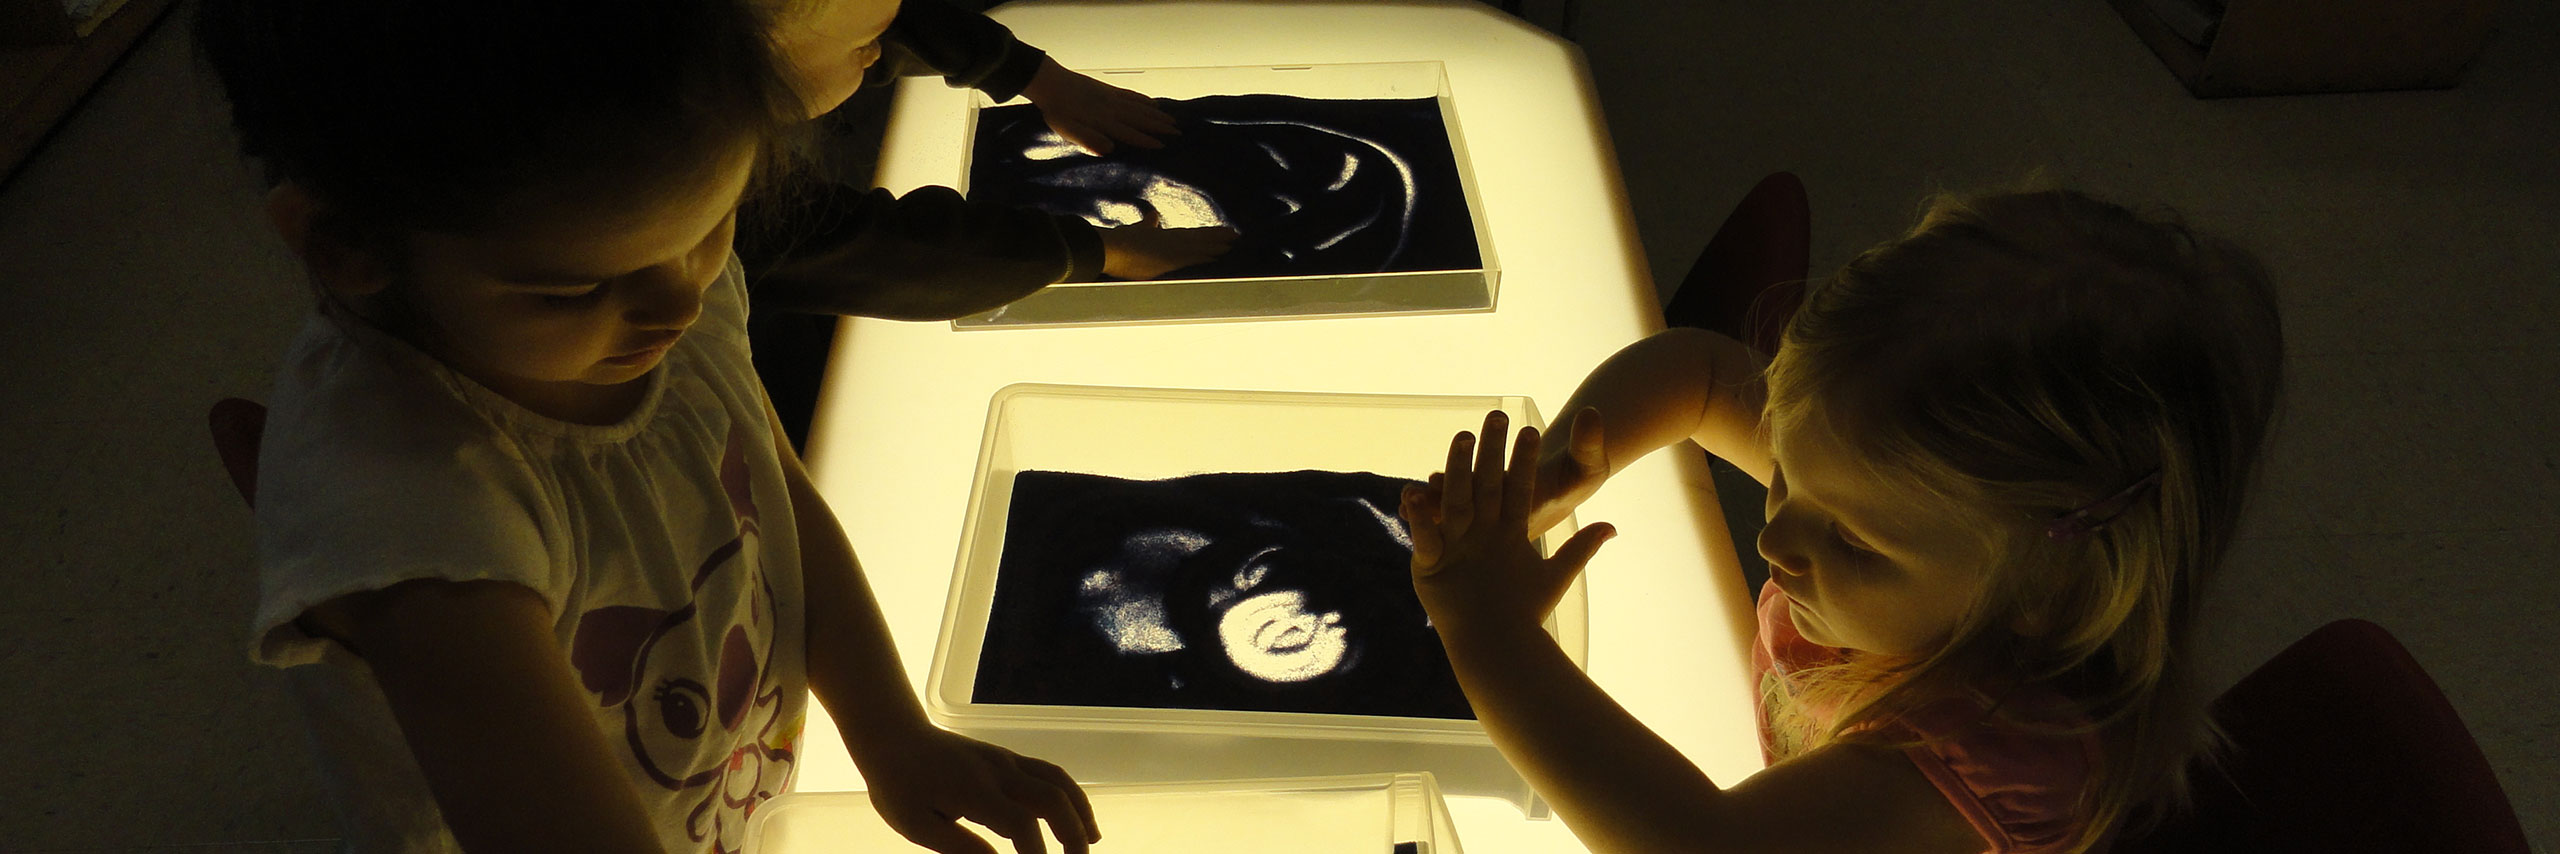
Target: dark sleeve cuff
[1014,74]
[967,49]
[929,255]
[1084,249]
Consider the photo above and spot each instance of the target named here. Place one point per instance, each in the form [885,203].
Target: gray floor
[2417,237]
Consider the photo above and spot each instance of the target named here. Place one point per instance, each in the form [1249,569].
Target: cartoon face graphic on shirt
[645,662]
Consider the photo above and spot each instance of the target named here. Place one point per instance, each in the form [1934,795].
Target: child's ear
[336,263]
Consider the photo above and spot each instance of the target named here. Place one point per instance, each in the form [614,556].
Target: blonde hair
[2021,355]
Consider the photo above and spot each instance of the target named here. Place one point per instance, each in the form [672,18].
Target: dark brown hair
[458,115]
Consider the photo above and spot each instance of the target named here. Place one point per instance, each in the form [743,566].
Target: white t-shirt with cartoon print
[664,544]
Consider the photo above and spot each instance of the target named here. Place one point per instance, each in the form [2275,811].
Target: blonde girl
[2004,454]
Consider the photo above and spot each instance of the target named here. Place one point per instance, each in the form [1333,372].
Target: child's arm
[1617,784]
[922,778]
[933,255]
[494,714]
[1095,114]
[927,255]
[969,49]
[1147,250]
[1675,384]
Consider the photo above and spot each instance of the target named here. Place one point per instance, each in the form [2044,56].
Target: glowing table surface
[895,441]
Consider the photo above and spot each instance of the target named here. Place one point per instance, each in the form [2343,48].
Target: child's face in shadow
[829,44]
[1869,564]
[573,302]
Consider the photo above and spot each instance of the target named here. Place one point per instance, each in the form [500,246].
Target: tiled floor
[2415,481]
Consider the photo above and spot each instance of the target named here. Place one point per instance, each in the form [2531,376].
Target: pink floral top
[2019,789]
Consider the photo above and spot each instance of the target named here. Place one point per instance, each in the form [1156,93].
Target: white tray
[1158,433]
[1188,300]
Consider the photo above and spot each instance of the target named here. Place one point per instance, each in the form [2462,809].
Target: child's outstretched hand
[925,783]
[1569,474]
[1095,114]
[1474,564]
[1147,250]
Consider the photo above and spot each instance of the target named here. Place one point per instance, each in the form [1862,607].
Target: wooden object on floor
[2294,47]
[40,83]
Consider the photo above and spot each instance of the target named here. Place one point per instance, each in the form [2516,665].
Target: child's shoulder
[2018,766]
[356,412]
[357,385]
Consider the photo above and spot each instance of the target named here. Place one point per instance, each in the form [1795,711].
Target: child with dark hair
[542,569]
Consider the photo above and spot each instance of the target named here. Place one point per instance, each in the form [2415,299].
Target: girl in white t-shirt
[545,574]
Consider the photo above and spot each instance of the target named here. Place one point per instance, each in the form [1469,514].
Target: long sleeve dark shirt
[829,247]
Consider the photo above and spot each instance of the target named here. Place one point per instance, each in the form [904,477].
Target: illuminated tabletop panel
[896,438]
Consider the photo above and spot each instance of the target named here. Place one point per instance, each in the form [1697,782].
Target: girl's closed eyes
[1855,548]
[574,298]
[1852,549]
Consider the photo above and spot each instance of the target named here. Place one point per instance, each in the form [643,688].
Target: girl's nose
[669,299]
[1774,548]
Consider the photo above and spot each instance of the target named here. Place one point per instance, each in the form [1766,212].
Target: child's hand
[1474,564]
[1569,474]
[925,784]
[1148,250]
[1094,114]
